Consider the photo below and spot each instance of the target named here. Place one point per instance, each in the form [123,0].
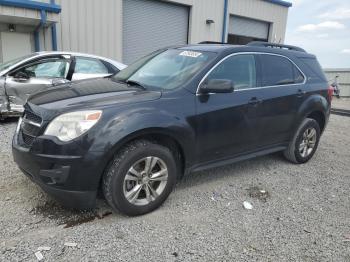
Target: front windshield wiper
[135,83]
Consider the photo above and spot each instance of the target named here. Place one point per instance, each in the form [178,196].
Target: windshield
[10,63]
[167,69]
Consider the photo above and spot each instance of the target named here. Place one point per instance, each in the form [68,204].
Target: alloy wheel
[145,180]
[308,142]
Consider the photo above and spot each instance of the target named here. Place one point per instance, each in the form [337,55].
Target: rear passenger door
[88,67]
[281,91]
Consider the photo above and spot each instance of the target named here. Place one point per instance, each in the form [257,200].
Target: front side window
[278,70]
[47,69]
[87,65]
[167,69]
[240,69]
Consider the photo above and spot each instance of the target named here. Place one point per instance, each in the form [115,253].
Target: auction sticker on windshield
[190,53]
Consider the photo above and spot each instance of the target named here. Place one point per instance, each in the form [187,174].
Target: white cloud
[345,51]
[297,2]
[320,26]
[322,35]
[337,14]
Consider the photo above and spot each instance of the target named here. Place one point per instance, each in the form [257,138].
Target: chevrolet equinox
[172,112]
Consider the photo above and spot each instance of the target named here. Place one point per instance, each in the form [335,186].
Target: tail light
[330,93]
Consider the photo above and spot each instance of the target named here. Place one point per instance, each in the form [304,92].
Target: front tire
[304,143]
[140,178]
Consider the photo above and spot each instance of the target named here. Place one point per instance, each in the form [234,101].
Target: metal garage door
[15,45]
[150,25]
[248,27]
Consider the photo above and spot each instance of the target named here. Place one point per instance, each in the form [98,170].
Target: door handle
[20,80]
[254,101]
[301,93]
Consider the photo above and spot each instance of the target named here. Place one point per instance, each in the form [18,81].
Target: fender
[314,103]
[133,123]
[4,99]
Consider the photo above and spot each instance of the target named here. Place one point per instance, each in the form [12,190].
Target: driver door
[34,77]
[226,122]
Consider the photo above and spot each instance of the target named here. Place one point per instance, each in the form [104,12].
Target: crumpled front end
[3,99]
[6,108]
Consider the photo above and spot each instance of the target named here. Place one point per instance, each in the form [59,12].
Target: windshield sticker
[190,54]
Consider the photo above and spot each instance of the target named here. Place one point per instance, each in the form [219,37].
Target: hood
[90,93]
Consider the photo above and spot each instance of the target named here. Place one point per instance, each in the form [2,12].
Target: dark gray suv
[175,111]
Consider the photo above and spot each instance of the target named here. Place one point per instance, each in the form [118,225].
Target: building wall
[276,15]
[91,26]
[23,16]
[343,79]
[26,21]
[4,27]
[96,26]
[200,11]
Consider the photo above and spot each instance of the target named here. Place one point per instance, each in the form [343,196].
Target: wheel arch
[315,107]
[319,117]
[158,135]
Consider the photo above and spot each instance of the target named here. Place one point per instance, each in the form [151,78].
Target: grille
[30,128]
[32,117]
[27,139]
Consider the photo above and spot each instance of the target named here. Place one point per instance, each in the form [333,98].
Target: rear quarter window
[87,65]
[278,70]
[314,70]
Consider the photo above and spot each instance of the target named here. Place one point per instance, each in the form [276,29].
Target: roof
[117,64]
[113,62]
[227,48]
[208,47]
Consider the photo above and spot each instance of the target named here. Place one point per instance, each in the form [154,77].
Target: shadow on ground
[73,217]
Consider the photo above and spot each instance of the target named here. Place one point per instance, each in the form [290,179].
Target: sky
[321,27]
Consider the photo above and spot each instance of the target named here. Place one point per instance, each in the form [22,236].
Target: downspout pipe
[37,30]
[53,32]
[224,26]
[54,37]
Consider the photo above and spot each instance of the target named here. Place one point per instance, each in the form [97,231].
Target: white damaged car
[21,77]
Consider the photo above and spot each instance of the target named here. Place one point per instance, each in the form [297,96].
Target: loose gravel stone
[301,213]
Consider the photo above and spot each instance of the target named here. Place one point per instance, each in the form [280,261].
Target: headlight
[68,126]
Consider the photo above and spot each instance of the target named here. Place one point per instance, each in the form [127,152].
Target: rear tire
[140,178]
[304,143]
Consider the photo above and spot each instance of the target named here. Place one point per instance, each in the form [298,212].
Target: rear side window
[111,68]
[278,70]
[314,69]
[87,65]
[239,68]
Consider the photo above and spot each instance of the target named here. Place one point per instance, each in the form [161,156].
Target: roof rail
[211,42]
[274,45]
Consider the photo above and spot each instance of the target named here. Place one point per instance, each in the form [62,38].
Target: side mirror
[59,81]
[21,76]
[217,86]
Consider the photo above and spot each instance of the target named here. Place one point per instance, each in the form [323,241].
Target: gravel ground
[303,216]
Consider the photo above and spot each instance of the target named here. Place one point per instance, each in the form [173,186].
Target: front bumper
[6,114]
[71,180]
